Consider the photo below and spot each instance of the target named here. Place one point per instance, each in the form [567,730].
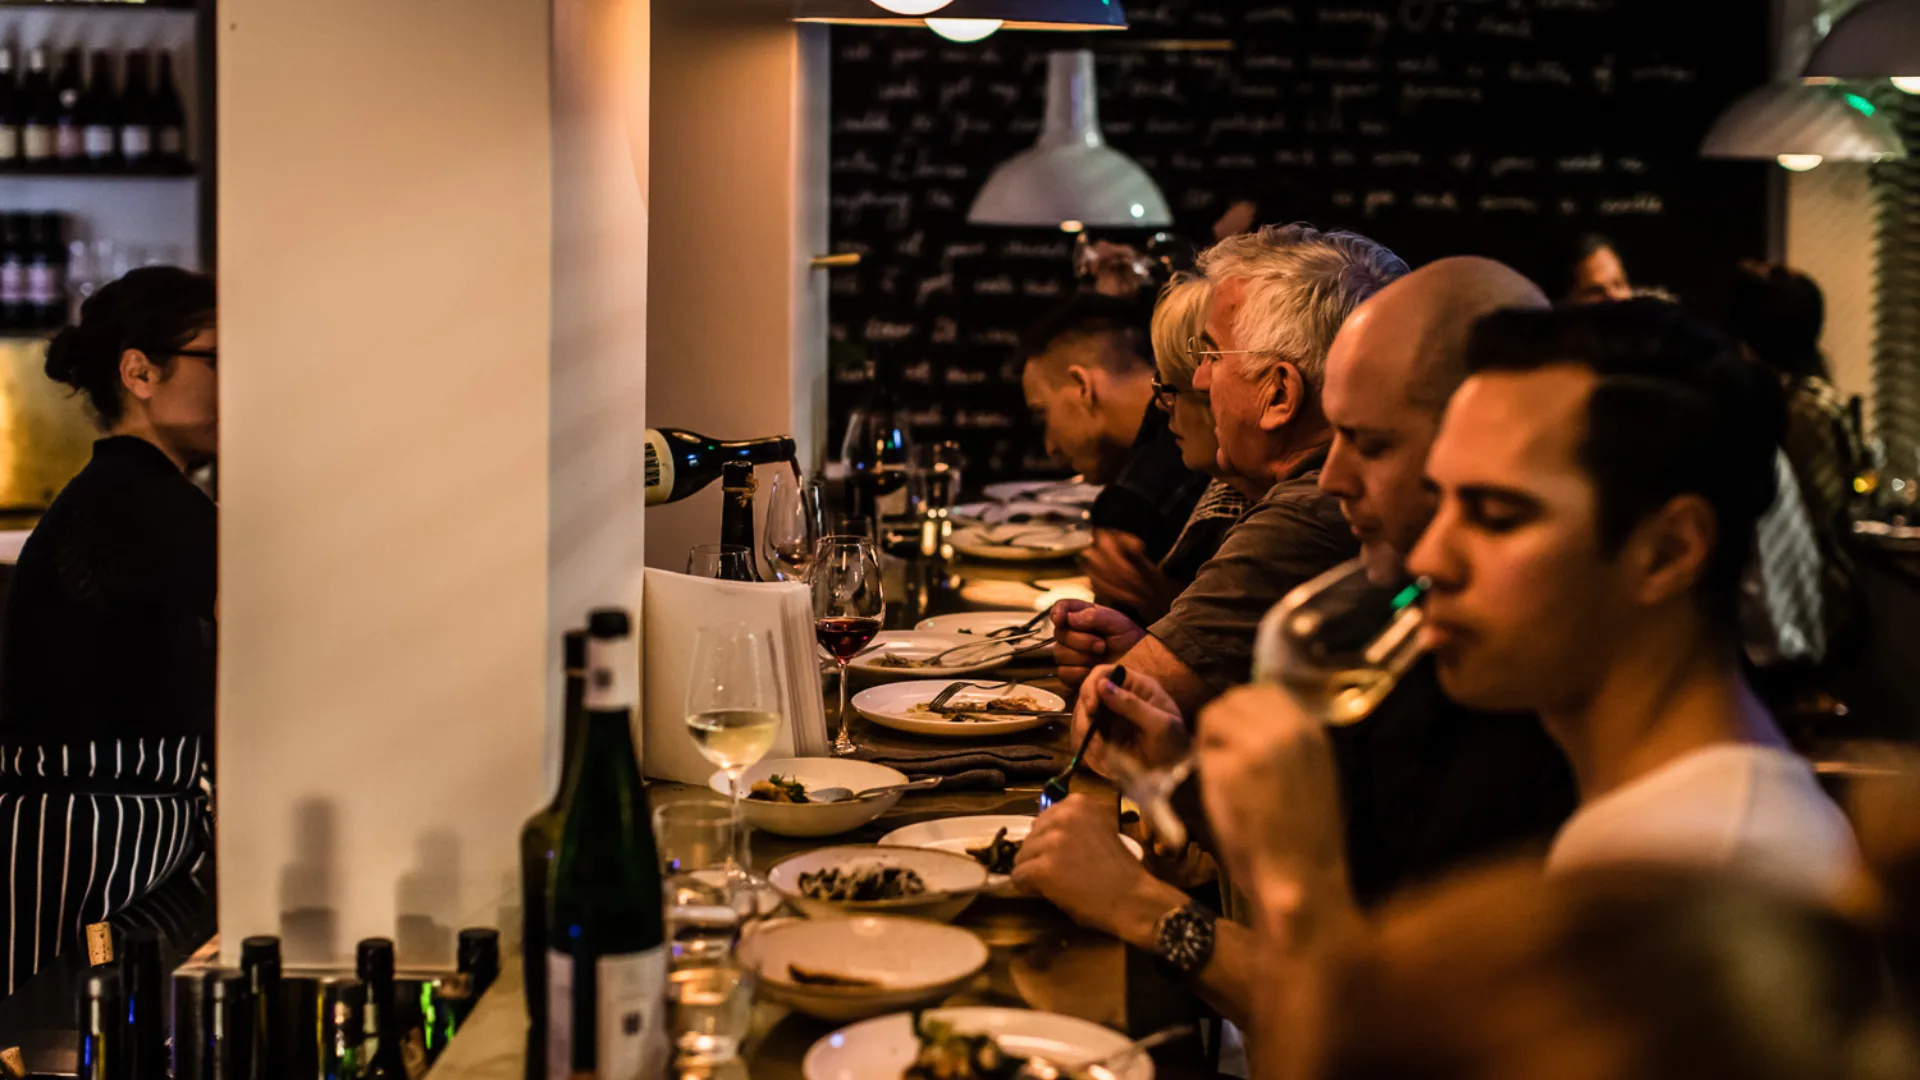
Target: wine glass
[733,709]
[1340,643]
[793,528]
[848,605]
[729,562]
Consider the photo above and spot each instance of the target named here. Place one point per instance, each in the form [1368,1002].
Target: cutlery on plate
[941,699]
[1031,626]
[840,794]
[1056,788]
[1039,1068]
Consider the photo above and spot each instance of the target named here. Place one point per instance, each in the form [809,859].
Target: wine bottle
[102,1021]
[451,1001]
[680,463]
[538,839]
[46,272]
[39,109]
[260,963]
[169,119]
[136,114]
[99,116]
[736,512]
[69,145]
[228,1054]
[343,1004]
[380,1023]
[607,952]
[143,982]
[13,271]
[11,117]
[877,447]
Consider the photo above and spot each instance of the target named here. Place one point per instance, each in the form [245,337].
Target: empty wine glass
[793,528]
[733,709]
[729,562]
[1339,644]
[848,605]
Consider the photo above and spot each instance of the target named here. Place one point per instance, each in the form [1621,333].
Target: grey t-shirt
[1293,534]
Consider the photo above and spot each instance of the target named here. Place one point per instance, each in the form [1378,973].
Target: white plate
[913,961]
[1021,543]
[1021,596]
[952,881]
[1019,512]
[882,1048]
[957,834]
[982,623]
[815,819]
[892,705]
[920,644]
[1070,494]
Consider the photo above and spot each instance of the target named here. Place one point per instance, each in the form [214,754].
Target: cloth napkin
[974,770]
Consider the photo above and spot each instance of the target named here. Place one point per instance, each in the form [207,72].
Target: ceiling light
[1800,162]
[913,7]
[1907,84]
[1071,175]
[1877,39]
[1798,120]
[1011,14]
[964,30]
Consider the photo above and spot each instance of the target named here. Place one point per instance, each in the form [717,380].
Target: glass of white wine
[733,710]
[1340,643]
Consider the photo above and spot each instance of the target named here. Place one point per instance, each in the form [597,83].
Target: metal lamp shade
[1011,14]
[1878,39]
[1797,118]
[1071,174]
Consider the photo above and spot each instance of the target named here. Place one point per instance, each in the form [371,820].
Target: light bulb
[1071,226]
[963,29]
[913,7]
[1907,84]
[1800,162]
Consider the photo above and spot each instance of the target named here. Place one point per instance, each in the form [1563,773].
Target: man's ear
[1085,386]
[1669,551]
[1284,392]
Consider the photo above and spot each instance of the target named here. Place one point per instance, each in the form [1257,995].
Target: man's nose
[1435,556]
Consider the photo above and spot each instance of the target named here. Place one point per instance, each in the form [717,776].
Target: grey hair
[1301,285]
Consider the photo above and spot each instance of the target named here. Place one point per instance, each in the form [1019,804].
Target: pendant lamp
[1878,39]
[1071,179]
[969,16]
[1801,125]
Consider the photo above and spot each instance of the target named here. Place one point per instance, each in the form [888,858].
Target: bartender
[106,701]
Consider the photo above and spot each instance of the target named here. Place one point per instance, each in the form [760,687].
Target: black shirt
[110,620]
[1154,493]
[1430,786]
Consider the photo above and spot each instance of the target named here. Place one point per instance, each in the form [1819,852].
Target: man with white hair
[1279,298]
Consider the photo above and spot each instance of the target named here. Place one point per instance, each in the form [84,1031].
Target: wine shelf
[124,174]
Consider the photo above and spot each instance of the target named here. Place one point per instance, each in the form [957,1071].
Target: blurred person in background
[1123,577]
[1584,269]
[1088,380]
[106,710]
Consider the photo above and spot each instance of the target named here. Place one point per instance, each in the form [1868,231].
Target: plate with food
[850,969]
[980,624]
[1021,543]
[969,1044]
[867,879]
[1019,512]
[992,840]
[777,801]
[1003,710]
[910,654]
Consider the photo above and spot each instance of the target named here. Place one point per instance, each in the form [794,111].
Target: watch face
[1186,939]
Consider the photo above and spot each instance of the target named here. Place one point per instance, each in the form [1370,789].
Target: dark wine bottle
[69,144]
[100,116]
[169,119]
[607,951]
[876,450]
[343,1004]
[680,463]
[736,513]
[102,1020]
[260,963]
[46,272]
[538,840]
[479,958]
[136,114]
[11,115]
[228,1053]
[40,107]
[13,271]
[380,1023]
[143,981]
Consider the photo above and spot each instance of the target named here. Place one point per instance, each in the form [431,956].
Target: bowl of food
[993,840]
[973,1043]
[850,969]
[867,879]
[778,798]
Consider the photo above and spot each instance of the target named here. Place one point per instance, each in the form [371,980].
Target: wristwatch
[1185,938]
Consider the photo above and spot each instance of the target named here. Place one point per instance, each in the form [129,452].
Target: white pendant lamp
[913,7]
[966,20]
[1800,125]
[1071,179]
[1878,39]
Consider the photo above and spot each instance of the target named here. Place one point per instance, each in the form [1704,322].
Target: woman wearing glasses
[106,702]
[1179,320]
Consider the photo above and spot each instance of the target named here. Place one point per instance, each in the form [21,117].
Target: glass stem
[846,739]
[737,856]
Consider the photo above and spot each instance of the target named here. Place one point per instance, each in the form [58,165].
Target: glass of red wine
[847,608]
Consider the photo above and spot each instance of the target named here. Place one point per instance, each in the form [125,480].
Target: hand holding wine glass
[848,606]
[733,707]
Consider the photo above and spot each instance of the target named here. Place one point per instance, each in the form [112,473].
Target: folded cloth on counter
[974,770]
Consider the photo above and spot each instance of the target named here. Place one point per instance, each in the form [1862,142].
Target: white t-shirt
[1754,811]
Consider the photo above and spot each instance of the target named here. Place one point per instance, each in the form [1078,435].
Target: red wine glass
[848,607]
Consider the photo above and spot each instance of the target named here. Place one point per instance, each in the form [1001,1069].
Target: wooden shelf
[144,174]
[92,5]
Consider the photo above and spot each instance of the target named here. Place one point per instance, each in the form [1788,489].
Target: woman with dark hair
[106,704]
[1583,269]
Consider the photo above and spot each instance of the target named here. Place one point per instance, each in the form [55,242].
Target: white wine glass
[733,710]
[1340,643]
[793,527]
[848,607]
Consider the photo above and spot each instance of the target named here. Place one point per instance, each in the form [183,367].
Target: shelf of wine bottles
[108,114]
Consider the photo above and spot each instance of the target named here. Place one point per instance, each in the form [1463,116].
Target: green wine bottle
[538,840]
[606,934]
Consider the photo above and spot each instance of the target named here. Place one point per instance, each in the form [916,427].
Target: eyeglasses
[1165,394]
[1202,350]
[211,356]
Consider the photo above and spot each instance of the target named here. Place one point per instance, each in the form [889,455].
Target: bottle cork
[12,1065]
[99,944]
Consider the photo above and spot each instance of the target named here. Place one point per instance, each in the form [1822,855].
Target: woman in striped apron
[107,660]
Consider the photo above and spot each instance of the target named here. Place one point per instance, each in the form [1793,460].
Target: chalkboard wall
[1439,127]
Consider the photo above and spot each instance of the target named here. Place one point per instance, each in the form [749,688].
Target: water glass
[712,1011]
[933,481]
[694,835]
[728,562]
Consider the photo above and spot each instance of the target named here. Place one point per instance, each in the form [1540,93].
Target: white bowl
[882,1048]
[815,819]
[957,834]
[952,881]
[915,962]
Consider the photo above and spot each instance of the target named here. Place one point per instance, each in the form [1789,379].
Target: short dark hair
[1778,313]
[155,309]
[1093,315]
[1556,259]
[1677,411]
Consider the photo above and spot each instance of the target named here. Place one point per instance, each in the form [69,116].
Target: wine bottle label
[659,469]
[630,1040]
[37,139]
[173,142]
[97,139]
[43,284]
[9,143]
[67,142]
[612,674]
[136,141]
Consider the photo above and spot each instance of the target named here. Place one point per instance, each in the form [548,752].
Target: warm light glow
[1072,226]
[1137,210]
[1907,84]
[963,29]
[1800,162]
[913,7]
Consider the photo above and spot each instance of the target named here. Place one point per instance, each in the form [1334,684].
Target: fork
[945,697]
[1056,789]
[1031,626]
